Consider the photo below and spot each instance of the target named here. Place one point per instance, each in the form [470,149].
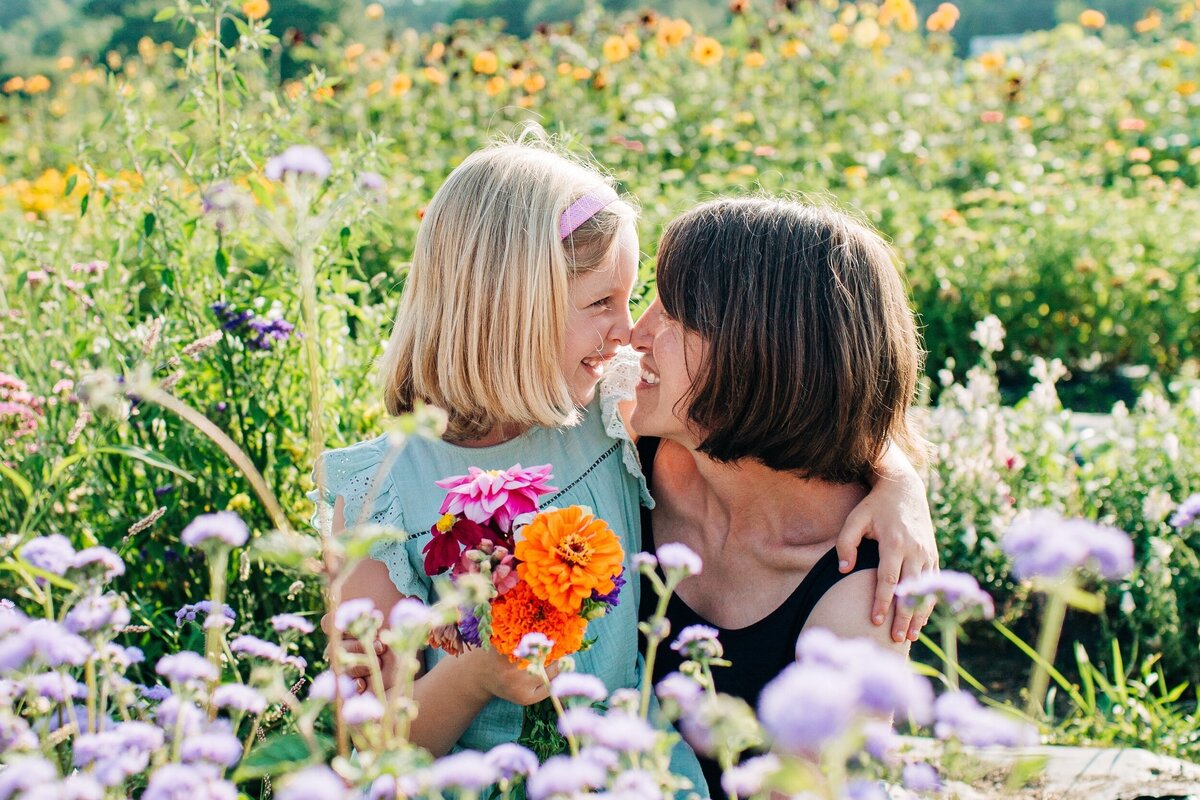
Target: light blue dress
[594,464]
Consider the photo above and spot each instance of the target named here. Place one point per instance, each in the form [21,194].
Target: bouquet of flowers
[547,572]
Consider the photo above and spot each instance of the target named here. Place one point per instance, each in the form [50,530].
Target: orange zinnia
[518,612]
[567,553]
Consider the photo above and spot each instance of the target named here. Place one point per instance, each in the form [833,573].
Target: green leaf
[1023,771]
[18,480]
[222,262]
[71,181]
[165,14]
[83,204]
[146,457]
[148,223]
[279,755]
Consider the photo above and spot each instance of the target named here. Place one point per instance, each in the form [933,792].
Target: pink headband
[584,209]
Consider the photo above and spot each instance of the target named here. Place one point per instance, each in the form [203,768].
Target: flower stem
[1052,624]
[949,631]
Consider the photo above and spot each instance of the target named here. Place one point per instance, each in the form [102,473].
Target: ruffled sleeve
[361,475]
[620,384]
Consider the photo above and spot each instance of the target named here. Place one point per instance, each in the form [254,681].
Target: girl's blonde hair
[482,321]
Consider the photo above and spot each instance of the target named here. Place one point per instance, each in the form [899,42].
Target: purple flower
[959,716]
[24,773]
[190,611]
[186,666]
[269,331]
[920,777]
[533,645]
[611,599]
[257,648]
[678,688]
[351,611]
[578,684]
[362,708]
[105,561]
[372,182]
[324,686]
[44,640]
[313,783]
[299,159]
[155,693]
[880,741]
[16,735]
[97,612]
[468,771]
[747,778]
[674,556]
[187,782]
[510,760]
[578,721]
[468,628]
[698,642]
[78,787]
[52,553]
[1187,513]
[176,712]
[223,526]
[806,707]
[410,614]
[636,784]
[1043,544]
[239,697]
[624,733]
[291,622]
[864,789]
[56,686]
[213,747]
[956,591]
[564,775]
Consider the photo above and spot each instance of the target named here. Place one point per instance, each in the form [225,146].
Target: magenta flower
[496,496]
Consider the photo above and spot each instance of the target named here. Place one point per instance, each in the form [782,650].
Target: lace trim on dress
[621,376]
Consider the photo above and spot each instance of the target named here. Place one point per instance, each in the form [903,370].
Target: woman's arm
[843,610]
[895,514]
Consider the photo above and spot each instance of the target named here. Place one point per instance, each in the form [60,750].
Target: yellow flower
[743,118]
[293,89]
[902,12]
[435,53]
[1152,20]
[255,9]
[36,84]
[434,76]
[1186,88]
[355,50]
[1184,47]
[992,60]
[755,59]
[14,84]
[632,41]
[400,85]
[793,48]
[615,49]
[64,63]
[373,11]
[581,73]
[485,62]
[567,553]
[1091,18]
[495,85]
[517,76]
[1139,154]
[865,33]
[563,68]
[838,33]
[374,88]
[534,83]
[1024,123]
[323,94]
[240,502]
[707,51]
[147,49]
[743,146]
[672,32]
[943,19]
[855,174]
[375,59]
[114,60]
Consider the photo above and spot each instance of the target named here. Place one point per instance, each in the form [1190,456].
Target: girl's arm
[450,695]
[895,514]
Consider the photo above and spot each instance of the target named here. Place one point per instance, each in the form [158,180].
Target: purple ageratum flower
[27,772]
[192,610]
[410,614]
[269,651]
[372,182]
[104,561]
[52,553]
[188,782]
[239,698]
[362,708]
[624,733]
[45,641]
[698,642]
[16,735]
[748,777]
[562,775]
[212,747]
[510,760]
[1187,512]
[186,667]
[806,707]
[920,777]
[466,771]
[178,713]
[78,787]
[299,159]
[155,693]
[291,622]
[959,716]
[351,611]
[674,556]
[635,784]
[122,657]
[880,741]
[325,685]
[578,721]
[533,645]
[468,628]
[1043,544]
[269,331]
[956,591]
[678,688]
[56,686]
[865,789]
[578,684]
[613,598]
[313,783]
[497,495]
[97,612]
[225,527]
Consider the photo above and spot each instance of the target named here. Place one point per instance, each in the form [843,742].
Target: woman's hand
[896,515]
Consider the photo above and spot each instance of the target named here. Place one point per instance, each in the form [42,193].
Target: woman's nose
[643,332]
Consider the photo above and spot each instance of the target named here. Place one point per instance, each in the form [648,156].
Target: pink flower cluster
[20,410]
[498,495]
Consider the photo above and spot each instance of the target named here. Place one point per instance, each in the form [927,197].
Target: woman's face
[598,320]
[670,355]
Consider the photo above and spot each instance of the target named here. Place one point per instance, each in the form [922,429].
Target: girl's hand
[896,515]
[503,679]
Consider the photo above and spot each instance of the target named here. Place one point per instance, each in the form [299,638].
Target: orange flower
[567,553]
[672,32]
[400,85]
[37,84]
[534,83]
[518,612]
[495,85]
[1152,20]
[755,59]
[616,49]
[1091,18]
[255,9]
[373,12]
[485,62]
[992,60]
[707,51]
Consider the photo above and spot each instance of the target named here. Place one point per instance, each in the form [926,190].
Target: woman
[779,361]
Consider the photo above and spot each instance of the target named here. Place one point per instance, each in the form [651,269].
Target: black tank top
[758,651]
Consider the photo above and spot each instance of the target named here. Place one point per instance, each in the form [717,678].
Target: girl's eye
[603,302]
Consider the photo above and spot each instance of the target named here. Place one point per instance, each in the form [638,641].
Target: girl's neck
[497,435]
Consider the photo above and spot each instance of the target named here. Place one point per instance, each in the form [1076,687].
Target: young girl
[516,306]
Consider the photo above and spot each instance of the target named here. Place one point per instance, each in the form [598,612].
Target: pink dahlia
[496,496]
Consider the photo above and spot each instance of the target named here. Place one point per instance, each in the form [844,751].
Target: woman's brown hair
[812,353]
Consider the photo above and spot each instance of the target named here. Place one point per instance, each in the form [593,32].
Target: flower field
[187,318]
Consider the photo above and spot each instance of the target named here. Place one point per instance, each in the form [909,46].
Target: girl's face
[667,351]
[598,320]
